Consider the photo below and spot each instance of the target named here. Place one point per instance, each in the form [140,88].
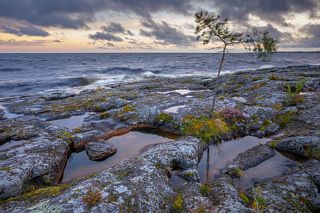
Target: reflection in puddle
[218,156]
[71,123]
[173,109]
[128,146]
[272,167]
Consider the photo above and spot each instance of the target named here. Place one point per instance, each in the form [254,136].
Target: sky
[148,25]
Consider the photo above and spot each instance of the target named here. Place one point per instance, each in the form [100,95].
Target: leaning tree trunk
[217,79]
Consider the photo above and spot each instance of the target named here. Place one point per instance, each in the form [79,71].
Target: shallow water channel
[72,122]
[128,146]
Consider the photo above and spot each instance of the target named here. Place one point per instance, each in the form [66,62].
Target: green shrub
[205,189]
[204,128]
[92,198]
[274,77]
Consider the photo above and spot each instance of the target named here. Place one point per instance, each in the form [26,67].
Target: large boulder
[100,150]
[307,146]
[41,160]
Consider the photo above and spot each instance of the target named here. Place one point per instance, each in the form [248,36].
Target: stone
[189,174]
[272,129]
[307,146]
[250,158]
[100,150]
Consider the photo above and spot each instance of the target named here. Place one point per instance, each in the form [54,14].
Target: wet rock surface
[100,150]
[142,183]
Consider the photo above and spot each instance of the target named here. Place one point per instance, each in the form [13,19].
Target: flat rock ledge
[100,150]
[140,184]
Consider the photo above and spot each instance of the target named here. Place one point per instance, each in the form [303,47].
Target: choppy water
[22,74]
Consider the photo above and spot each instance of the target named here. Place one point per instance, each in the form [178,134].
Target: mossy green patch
[273,144]
[178,203]
[5,169]
[164,118]
[204,128]
[40,193]
[104,115]
[66,136]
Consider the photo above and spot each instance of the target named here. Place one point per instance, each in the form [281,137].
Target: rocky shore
[39,133]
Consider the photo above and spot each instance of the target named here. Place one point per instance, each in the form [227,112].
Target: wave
[122,70]
[8,69]
[44,84]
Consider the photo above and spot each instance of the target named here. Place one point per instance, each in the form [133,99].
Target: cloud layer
[34,17]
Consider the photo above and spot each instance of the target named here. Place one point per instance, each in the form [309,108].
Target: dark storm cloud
[166,33]
[111,32]
[271,10]
[76,13]
[275,33]
[114,27]
[21,30]
[105,36]
[313,30]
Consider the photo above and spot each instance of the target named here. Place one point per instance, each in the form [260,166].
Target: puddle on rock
[272,167]
[217,156]
[174,109]
[128,146]
[71,123]
[183,91]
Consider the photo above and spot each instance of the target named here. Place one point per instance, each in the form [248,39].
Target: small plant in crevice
[205,189]
[259,202]
[284,118]
[244,197]
[92,197]
[274,77]
[164,118]
[178,203]
[232,115]
[311,152]
[104,115]
[235,172]
[293,93]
